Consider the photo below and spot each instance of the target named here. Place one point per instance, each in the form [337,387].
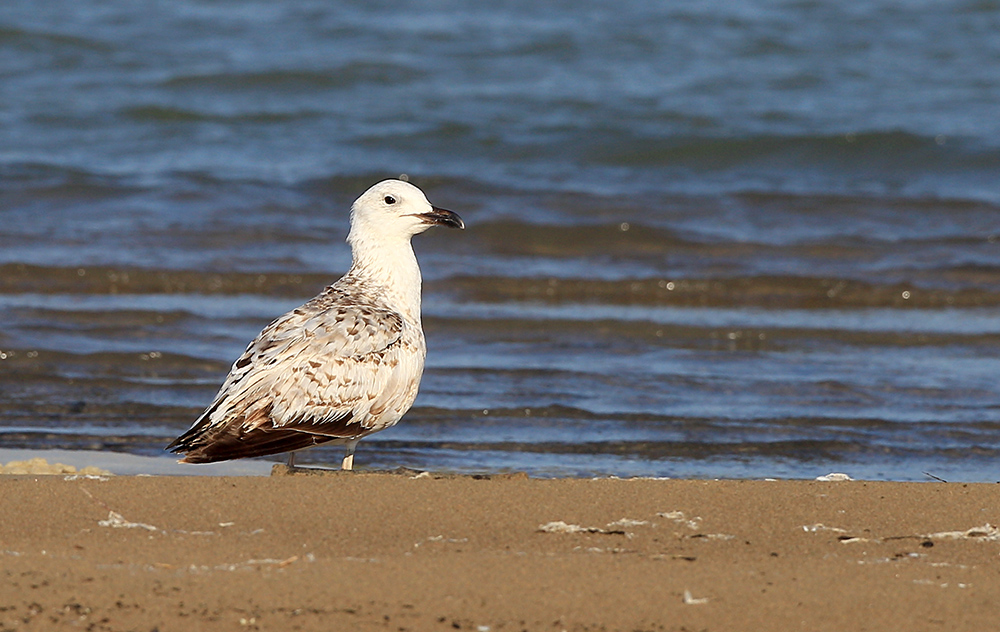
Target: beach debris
[561,527]
[117,521]
[694,524]
[627,522]
[690,600]
[931,582]
[614,550]
[713,536]
[814,528]
[39,465]
[251,564]
[680,518]
[441,538]
[987,532]
[612,477]
[674,556]
[834,476]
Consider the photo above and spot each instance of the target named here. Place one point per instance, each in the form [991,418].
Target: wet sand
[393,552]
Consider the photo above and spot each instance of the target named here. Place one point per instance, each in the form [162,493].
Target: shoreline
[380,551]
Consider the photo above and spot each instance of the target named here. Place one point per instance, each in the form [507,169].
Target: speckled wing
[326,371]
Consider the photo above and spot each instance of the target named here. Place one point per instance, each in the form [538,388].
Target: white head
[393,210]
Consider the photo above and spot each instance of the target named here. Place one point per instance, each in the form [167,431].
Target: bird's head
[393,208]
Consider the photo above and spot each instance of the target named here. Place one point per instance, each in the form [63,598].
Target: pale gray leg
[291,460]
[348,463]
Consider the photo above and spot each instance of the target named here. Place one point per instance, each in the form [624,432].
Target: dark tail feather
[205,443]
[187,440]
[227,445]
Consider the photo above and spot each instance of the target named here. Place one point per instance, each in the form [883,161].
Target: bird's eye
[390,200]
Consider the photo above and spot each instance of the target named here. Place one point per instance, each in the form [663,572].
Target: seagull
[343,365]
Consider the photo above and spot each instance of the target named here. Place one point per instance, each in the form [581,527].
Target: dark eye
[390,200]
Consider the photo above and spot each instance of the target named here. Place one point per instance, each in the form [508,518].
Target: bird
[342,366]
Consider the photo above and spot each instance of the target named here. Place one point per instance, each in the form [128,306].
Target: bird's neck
[390,268]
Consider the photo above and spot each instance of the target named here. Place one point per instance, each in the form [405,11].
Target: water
[705,238]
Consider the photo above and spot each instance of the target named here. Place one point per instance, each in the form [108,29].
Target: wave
[792,450]
[41,180]
[34,40]
[166,114]
[795,451]
[770,292]
[38,363]
[20,278]
[345,76]
[847,152]
[805,450]
[764,291]
[848,230]
[553,240]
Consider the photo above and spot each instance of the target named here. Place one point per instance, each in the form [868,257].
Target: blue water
[705,238]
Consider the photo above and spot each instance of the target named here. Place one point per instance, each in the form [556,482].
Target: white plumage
[342,366]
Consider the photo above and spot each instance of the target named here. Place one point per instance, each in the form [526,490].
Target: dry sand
[392,552]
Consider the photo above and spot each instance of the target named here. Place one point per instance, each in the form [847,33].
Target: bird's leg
[291,460]
[348,463]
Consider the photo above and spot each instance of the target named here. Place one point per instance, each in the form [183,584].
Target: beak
[442,217]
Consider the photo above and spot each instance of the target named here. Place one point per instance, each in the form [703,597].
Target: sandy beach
[382,551]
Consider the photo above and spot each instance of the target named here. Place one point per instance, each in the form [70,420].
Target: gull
[343,365]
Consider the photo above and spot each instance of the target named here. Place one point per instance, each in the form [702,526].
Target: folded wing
[321,373]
